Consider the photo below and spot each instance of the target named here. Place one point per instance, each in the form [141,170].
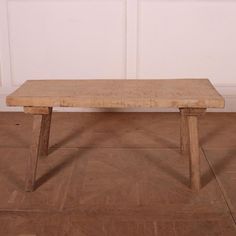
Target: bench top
[195,93]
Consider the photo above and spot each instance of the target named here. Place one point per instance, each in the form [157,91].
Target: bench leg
[183,132]
[193,142]
[195,176]
[44,142]
[34,153]
[39,144]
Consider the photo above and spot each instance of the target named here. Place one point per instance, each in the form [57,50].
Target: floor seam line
[217,181]
[63,200]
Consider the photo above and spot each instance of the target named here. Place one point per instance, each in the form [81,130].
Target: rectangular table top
[195,93]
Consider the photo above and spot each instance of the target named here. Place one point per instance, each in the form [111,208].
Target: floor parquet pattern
[118,174]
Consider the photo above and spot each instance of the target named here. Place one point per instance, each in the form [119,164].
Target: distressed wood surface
[46,125]
[37,110]
[184,140]
[117,94]
[34,153]
[195,175]
[190,141]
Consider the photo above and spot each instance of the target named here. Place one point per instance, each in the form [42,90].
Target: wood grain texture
[111,191]
[189,136]
[184,140]
[108,181]
[34,153]
[113,174]
[134,130]
[223,164]
[117,94]
[44,142]
[75,224]
[195,176]
[37,110]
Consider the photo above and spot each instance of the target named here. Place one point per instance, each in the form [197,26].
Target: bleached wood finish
[191,96]
[40,142]
[117,94]
[37,110]
[34,152]
[46,124]
[192,128]
[183,132]
[195,176]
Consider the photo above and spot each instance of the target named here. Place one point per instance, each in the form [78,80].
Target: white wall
[51,39]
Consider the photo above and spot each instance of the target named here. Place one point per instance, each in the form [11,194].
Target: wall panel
[187,39]
[74,39]
[66,39]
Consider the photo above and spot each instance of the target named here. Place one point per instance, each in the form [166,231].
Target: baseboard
[227,91]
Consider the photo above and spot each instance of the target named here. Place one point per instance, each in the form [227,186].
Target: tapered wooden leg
[34,153]
[195,176]
[183,132]
[44,142]
[191,116]
[39,143]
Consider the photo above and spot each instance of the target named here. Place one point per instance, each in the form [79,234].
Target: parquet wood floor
[118,174]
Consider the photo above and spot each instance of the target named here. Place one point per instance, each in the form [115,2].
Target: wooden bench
[191,96]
